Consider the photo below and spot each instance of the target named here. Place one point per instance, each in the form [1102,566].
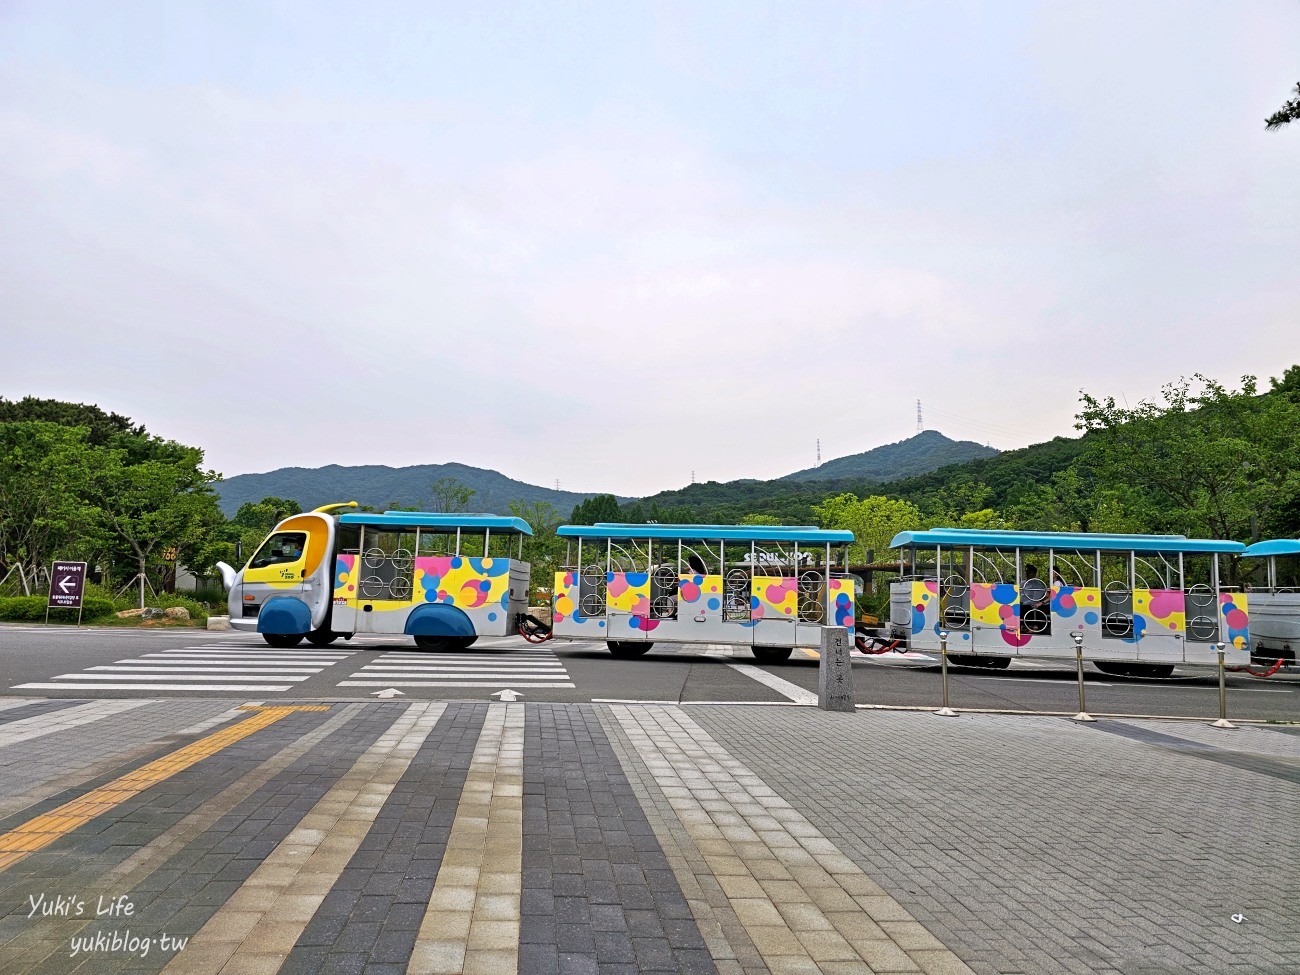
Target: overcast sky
[612,244]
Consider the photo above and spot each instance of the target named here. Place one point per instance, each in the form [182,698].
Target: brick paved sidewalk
[463,837]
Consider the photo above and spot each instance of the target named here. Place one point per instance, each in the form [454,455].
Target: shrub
[32,609]
[874,604]
[97,604]
[211,596]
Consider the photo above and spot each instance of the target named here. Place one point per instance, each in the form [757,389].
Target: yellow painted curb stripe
[41,831]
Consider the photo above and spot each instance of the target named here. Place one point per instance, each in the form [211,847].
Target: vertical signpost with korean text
[67,585]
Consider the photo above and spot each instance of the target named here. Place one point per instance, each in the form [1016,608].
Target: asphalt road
[63,662]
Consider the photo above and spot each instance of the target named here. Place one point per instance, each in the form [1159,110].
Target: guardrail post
[1083,714]
[835,671]
[1223,721]
[945,711]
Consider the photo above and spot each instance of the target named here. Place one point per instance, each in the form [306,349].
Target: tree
[159,503]
[101,428]
[1289,112]
[596,509]
[961,503]
[873,520]
[1282,518]
[760,520]
[45,472]
[631,514]
[77,482]
[544,550]
[265,514]
[1062,504]
[450,495]
[1205,460]
[986,519]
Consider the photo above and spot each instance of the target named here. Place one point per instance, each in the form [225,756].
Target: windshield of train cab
[280,548]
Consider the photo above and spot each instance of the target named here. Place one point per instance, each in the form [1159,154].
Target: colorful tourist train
[1138,604]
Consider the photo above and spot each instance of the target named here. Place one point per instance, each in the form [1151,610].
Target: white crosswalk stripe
[490,667]
[202,667]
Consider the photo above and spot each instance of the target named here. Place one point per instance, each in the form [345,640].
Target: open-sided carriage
[1140,603]
[1274,601]
[771,588]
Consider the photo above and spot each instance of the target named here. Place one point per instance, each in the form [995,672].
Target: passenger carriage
[1275,600]
[1141,603]
[766,587]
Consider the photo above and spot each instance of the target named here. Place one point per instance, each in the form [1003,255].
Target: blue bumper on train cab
[285,615]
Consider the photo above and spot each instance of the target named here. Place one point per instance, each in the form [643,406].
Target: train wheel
[439,643]
[1153,670]
[1124,669]
[979,660]
[772,655]
[321,638]
[283,641]
[626,649]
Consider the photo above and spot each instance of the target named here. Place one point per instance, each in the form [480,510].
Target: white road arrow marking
[507,695]
[389,692]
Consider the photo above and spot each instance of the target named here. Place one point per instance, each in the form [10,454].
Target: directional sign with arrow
[67,583]
[507,695]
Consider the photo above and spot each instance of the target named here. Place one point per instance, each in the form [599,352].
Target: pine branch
[1287,113]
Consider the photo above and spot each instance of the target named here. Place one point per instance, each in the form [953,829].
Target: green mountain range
[385,487]
[382,487]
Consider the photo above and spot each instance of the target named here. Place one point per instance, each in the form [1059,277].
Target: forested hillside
[925,452]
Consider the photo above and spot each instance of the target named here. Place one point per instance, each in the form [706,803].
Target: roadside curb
[1070,714]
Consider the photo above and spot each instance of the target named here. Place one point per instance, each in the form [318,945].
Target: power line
[1004,430]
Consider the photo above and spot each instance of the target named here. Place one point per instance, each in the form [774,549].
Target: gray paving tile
[592,866]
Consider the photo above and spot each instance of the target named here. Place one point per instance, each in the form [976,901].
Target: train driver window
[280,548]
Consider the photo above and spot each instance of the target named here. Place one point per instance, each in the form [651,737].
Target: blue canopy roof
[430,519]
[1276,546]
[725,533]
[1085,541]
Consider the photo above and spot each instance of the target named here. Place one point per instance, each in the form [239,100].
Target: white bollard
[1223,721]
[1083,714]
[944,711]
